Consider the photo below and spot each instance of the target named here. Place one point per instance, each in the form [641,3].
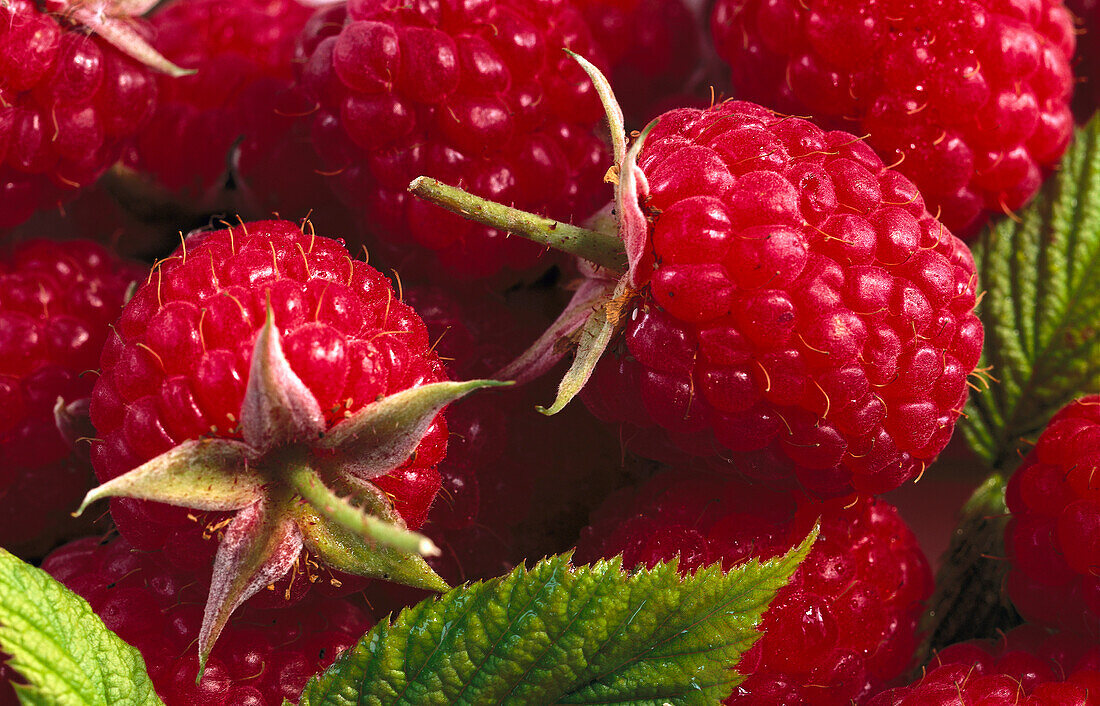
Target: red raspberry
[846,624]
[57,301]
[263,657]
[193,358]
[652,46]
[233,45]
[969,99]
[1053,539]
[1024,666]
[477,94]
[68,101]
[803,316]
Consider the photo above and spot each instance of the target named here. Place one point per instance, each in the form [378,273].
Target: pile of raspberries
[206,232]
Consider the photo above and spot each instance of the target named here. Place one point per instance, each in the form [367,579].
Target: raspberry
[69,100]
[57,301]
[1052,537]
[969,99]
[843,627]
[652,46]
[270,413]
[1026,665]
[264,656]
[232,45]
[803,316]
[478,94]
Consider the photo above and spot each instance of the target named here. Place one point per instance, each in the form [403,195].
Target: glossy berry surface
[476,94]
[67,102]
[969,99]
[57,302]
[263,657]
[177,368]
[805,317]
[232,46]
[1026,666]
[1052,540]
[845,625]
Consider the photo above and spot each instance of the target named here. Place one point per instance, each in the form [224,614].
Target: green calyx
[295,484]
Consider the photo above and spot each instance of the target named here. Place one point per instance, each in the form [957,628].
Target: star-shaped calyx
[613,250]
[113,21]
[295,484]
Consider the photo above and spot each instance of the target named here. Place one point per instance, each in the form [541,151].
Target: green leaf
[555,634]
[968,602]
[61,647]
[1041,308]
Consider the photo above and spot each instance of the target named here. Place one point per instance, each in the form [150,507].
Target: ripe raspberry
[478,94]
[284,409]
[841,629]
[1024,666]
[68,101]
[805,316]
[263,657]
[969,99]
[233,46]
[1052,539]
[652,46]
[57,301]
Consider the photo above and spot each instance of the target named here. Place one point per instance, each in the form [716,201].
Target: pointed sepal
[350,553]
[260,546]
[112,20]
[73,420]
[344,513]
[615,122]
[382,435]
[278,408]
[630,193]
[593,339]
[203,474]
[552,345]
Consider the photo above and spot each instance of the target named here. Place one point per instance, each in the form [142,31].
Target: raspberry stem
[603,249]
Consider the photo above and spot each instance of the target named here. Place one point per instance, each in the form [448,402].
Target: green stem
[339,511]
[603,249]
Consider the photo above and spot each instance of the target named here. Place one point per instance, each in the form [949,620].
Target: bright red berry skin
[1053,539]
[653,49]
[177,368]
[1024,667]
[847,621]
[57,302]
[67,102]
[970,99]
[805,317]
[231,45]
[476,94]
[263,657]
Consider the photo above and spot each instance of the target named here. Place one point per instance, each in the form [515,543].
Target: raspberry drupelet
[1052,539]
[477,94]
[57,302]
[845,625]
[970,99]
